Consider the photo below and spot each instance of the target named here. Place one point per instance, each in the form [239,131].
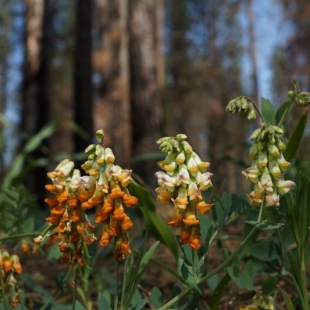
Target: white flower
[284,186]
[204,180]
[183,177]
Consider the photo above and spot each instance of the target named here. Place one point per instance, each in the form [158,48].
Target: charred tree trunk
[146,108]
[112,109]
[37,78]
[83,74]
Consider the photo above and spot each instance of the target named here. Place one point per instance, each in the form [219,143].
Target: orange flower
[52,202]
[118,211]
[16,264]
[123,243]
[59,210]
[204,208]
[7,264]
[116,192]
[53,220]
[105,236]
[185,234]
[126,223]
[63,196]
[51,188]
[97,198]
[114,229]
[129,200]
[76,216]
[86,205]
[177,220]
[194,240]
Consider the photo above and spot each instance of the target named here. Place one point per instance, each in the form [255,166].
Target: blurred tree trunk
[37,77]
[5,22]
[111,63]
[146,108]
[83,74]
[252,47]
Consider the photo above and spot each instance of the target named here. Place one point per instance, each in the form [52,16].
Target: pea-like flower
[268,166]
[105,187]
[184,179]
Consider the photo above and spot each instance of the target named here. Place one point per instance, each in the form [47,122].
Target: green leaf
[246,277]
[28,225]
[218,292]
[268,111]
[288,301]
[156,297]
[296,137]
[269,285]
[35,141]
[54,252]
[156,226]
[265,250]
[283,111]
[104,301]
[136,274]
[264,225]
[273,215]
[79,306]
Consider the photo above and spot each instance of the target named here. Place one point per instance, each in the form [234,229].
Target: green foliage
[268,111]
[154,224]
[34,142]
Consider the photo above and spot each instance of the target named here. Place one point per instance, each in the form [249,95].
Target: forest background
[142,69]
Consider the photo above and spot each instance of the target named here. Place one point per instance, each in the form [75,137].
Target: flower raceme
[105,187]
[181,182]
[268,165]
[10,265]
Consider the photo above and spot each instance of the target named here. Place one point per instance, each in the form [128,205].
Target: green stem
[19,236]
[74,289]
[62,281]
[116,285]
[255,107]
[242,245]
[193,263]
[3,290]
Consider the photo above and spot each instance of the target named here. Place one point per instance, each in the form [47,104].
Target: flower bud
[255,134]
[262,160]
[109,156]
[281,146]
[187,148]
[253,151]
[90,149]
[191,166]
[284,165]
[274,169]
[273,150]
[100,135]
[180,158]
[278,130]
[181,137]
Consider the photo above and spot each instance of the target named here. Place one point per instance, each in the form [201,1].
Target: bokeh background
[142,69]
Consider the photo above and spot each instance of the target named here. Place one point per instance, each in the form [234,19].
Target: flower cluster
[243,106]
[266,171]
[68,219]
[10,265]
[110,193]
[184,178]
[260,302]
[105,186]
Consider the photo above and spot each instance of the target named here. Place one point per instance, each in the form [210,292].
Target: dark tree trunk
[146,108]
[39,40]
[83,74]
